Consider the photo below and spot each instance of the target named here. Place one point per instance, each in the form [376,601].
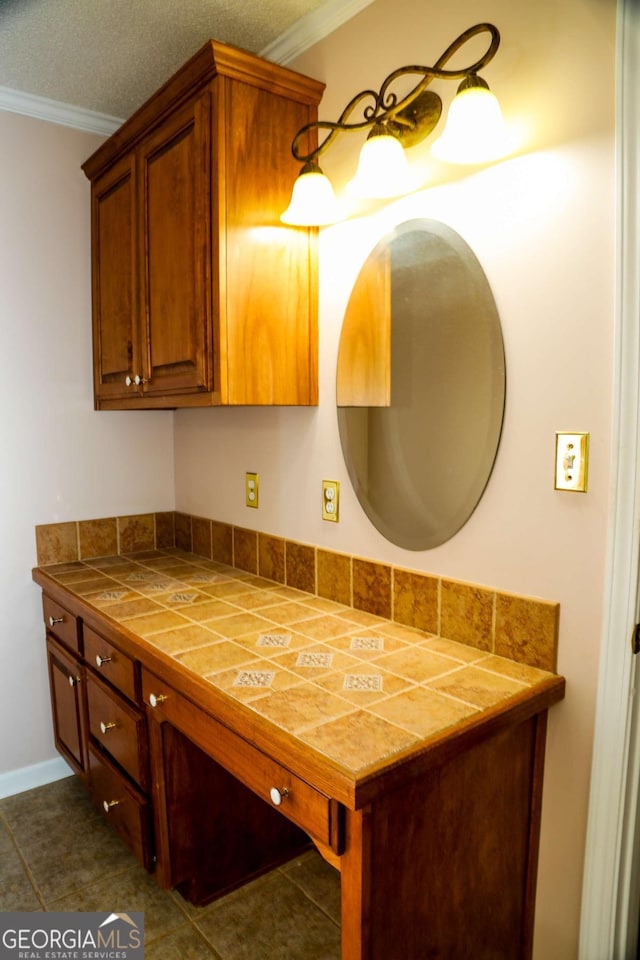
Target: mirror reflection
[420,384]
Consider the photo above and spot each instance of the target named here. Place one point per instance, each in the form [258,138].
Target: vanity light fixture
[474,133]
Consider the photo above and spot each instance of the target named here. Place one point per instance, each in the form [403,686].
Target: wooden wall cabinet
[200,295]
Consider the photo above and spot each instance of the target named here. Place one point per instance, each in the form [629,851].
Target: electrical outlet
[251,489]
[572,460]
[331,500]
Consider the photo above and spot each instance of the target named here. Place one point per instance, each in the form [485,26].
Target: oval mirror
[420,384]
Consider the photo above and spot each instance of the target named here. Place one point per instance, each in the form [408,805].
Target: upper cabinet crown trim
[213,59]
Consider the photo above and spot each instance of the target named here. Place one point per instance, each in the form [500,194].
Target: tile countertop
[360,690]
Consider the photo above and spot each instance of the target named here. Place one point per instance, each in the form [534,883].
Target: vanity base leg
[445,867]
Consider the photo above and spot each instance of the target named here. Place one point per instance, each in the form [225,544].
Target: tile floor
[56,853]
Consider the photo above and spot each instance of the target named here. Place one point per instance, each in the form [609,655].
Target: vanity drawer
[125,808]
[278,786]
[120,729]
[113,665]
[62,624]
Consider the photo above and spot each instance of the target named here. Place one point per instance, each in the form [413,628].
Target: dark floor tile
[73,858]
[129,892]
[270,918]
[318,880]
[183,944]
[33,815]
[16,889]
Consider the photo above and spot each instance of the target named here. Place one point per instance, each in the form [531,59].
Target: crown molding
[65,114]
[312,28]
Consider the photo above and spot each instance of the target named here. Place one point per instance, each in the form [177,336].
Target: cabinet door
[68,706]
[175,216]
[116,353]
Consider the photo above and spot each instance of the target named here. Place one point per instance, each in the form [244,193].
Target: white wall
[542,225]
[60,459]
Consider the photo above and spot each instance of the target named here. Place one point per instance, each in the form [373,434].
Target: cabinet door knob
[138,380]
[100,660]
[73,681]
[105,727]
[54,620]
[128,381]
[156,698]
[277,796]
[107,804]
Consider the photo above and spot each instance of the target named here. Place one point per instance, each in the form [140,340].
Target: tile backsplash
[521,628]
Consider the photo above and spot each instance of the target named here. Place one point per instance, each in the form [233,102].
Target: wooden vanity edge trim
[213,59]
[318,770]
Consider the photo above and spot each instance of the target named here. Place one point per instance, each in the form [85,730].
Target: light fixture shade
[383,170]
[313,202]
[475,131]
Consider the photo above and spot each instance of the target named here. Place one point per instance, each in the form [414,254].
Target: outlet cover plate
[251,489]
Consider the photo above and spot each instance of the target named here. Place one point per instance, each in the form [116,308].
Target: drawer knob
[156,698]
[100,660]
[277,796]
[73,681]
[107,804]
[54,620]
[105,727]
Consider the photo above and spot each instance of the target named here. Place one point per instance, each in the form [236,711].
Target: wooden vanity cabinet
[200,295]
[68,708]
[99,726]
[118,752]
[66,684]
[224,811]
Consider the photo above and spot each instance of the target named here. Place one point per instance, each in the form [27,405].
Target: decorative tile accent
[274,640]
[254,678]
[323,660]
[363,681]
[182,597]
[112,595]
[367,643]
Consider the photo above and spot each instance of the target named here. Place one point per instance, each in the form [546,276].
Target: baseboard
[26,778]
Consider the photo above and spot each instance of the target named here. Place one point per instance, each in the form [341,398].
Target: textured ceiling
[111,55]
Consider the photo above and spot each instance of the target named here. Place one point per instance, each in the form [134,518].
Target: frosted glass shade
[383,170]
[475,131]
[313,202]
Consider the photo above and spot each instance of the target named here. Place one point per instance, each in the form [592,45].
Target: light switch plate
[572,461]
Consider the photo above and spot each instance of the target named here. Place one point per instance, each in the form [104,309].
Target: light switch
[572,460]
